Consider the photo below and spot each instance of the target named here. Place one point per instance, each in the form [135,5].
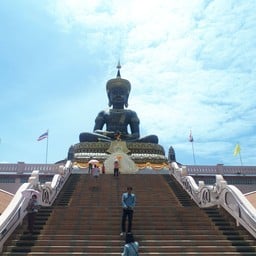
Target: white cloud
[191,65]
[188,66]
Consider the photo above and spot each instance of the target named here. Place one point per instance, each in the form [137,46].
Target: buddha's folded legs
[149,139]
[95,137]
[92,137]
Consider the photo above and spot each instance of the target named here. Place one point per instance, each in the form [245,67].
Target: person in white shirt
[95,171]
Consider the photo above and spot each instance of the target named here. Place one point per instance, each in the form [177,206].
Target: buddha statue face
[118,97]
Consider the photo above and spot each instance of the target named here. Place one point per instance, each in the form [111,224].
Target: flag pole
[240,159]
[46,154]
[192,143]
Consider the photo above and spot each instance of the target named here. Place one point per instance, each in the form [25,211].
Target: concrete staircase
[86,218]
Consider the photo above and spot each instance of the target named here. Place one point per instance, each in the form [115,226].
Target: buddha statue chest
[119,119]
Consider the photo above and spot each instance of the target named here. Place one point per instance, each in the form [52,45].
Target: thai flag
[43,136]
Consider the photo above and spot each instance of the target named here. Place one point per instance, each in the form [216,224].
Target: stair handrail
[220,194]
[50,190]
[13,215]
[15,212]
[234,202]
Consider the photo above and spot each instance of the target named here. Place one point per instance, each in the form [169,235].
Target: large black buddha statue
[117,119]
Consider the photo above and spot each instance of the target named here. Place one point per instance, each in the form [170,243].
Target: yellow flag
[237,149]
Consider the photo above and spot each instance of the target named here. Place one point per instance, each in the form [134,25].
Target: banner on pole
[237,149]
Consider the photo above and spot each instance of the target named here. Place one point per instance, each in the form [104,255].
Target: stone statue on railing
[118,119]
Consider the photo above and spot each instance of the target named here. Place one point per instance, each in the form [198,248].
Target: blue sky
[191,65]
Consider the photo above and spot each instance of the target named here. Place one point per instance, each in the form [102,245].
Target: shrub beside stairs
[85,220]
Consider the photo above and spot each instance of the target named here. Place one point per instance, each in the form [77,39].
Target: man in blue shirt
[128,203]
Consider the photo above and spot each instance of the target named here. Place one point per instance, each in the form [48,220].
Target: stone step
[117,242]
[141,237]
[141,253]
[102,248]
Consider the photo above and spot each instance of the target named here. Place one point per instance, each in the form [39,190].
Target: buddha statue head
[118,90]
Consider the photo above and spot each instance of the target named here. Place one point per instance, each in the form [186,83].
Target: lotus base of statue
[131,155]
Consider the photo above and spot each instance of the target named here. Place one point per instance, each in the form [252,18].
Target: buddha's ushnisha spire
[118,75]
